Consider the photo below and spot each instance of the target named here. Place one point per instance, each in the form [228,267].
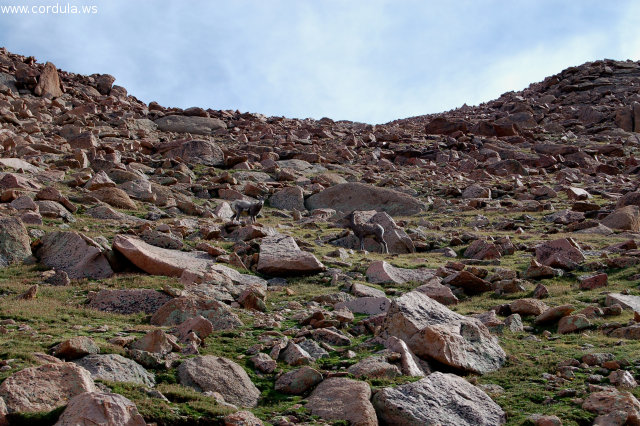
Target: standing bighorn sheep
[367,229]
[252,209]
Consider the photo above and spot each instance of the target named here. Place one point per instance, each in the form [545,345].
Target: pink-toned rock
[75,348]
[50,193]
[15,244]
[242,418]
[45,387]
[155,341]
[432,331]
[180,309]
[13,180]
[482,250]
[97,408]
[115,197]
[158,261]
[339,398]
[49,84]
[526,307]
[74,253]
[573,323]
[612,400]
[198,324]
[468,281]
[217,374]
[579,194]
[554,314]
[625,218]
[381,272]
[590,282]
[563,253]
[410,365]
[370,305]
[281,256]
[100,180]
[298,382]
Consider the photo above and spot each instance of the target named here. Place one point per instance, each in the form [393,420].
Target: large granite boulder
[15,244]
[438,399]
[347,197]
[281,256]
[432,331]
[74,253]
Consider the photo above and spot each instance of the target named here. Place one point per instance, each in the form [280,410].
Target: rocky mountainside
[498,281]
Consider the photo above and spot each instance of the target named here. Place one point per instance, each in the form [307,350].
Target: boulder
[216,374]
[625,218]
[298,382]
[629,199]
[129,301]
[347,197]
[74,253]
[184,124]
[612,400]
[115,197]
[339,398]
[115,368]
[554,314]
[374,367]
[180,309]
[155,341]
[573,323]
[242,418]
[433,331]
[627,301]
[54,210]
[381,272]
[370,305]
[98,408]
[49,84]
[562,253]
[482,250]
[76,347]
[289,198]
[476,191]
[528,306]
[438,399]
[15,244]
[471,283]
[199,151]
[281,256]
[45,387]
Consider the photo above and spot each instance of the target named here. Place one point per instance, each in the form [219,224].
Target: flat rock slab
[627,301]
[369,305]
[381,272]
[433,331]
[347,197]
[438,399]
[129,301]
[185,124]
[75,254]
[16,163]
[281,256]
[199,152]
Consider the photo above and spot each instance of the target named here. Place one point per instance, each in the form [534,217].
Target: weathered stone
[468,281]
[339,398]
[97,408]
[627,301]
[435,332]
[198,151]
[554,314]
[45,387]
[15,244]
[180,309]
[573,323]
[298,382]
[289,198]
[281,256]
[438,399]
[381,272]
[129,301]
[155,341]
[625,218]
[49,84]
[115,197]
[482,250]
[348,197]
[593,281]
[365,305]
[612,400]
[195,125]
[75,348]
[115,368]
[526,307]
[562,253]
[74,253]
[374,367]
[217,374]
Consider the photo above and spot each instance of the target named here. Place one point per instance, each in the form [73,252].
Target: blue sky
[363,60]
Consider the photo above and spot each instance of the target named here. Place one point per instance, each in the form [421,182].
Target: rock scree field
[498,282]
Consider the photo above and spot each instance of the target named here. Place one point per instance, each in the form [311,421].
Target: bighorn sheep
[367,229]
[252,209]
